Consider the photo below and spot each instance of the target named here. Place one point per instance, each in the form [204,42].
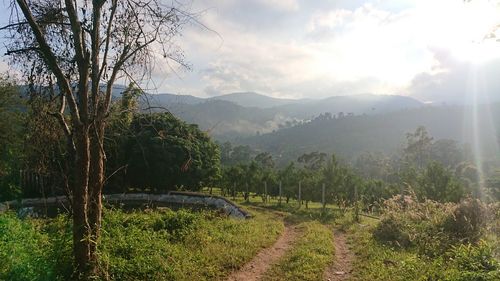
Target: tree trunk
[87,197]
[96,182]
[81,227]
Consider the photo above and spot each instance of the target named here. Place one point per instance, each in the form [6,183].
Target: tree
[265,160]
[11,129]
[165,153]
[83,47]
[437,183]
[418,146]
[289,177]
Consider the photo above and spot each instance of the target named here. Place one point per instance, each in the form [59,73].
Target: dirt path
[254,269]
[342,267]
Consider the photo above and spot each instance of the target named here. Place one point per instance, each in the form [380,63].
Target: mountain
[247,114]
[356,104]
[350,136]
[251,99]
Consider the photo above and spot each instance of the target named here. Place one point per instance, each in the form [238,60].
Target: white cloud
[283,5]
[300,49]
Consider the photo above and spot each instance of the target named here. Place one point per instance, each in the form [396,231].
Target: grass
[308,258]
[376,261]
[153,245]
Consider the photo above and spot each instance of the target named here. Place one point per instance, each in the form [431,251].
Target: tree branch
[51,60]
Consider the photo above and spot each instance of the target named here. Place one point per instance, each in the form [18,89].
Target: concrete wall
[172,200]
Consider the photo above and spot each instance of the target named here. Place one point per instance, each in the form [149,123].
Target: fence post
[265,191]
[300,193]
[247,196]
[356,207]
[323,196]
[279,200]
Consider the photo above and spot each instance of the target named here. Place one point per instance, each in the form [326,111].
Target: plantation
[382,162]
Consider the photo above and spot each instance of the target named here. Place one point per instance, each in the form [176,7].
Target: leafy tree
[446,152]
[289,177]
[437,183]
[11,131]
[372,165]
[80,46]
[418,147]
[334,176]
[233,179]
[241,154]
[313,161]
[165,153]
[265,160]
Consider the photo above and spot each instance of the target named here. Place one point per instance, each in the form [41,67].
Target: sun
[475,27]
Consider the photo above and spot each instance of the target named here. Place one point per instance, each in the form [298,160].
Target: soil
[256,268]
[341,268]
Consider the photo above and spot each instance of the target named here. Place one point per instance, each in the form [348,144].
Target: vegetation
[11,130]
[311,254]
[428,241]
[153,245]
[433,202]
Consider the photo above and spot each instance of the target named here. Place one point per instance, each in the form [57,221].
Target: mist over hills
[248,114]
[353,135]
[352,124]
[345,125]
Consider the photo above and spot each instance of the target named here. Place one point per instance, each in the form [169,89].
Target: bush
[473,263]
[431,227]
[28,253]
[390,231]
[467,221]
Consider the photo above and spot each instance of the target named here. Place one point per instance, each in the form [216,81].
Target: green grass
[375,261]
[308,258]
[153,245]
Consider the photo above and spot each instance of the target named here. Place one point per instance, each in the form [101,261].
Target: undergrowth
[151,245]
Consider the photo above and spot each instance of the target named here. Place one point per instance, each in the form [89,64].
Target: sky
[428,49]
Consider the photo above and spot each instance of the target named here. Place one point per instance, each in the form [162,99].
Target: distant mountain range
[352,135]
[247,113]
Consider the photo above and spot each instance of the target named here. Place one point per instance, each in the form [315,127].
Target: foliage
[438,184]
[429,227]
[161,153]
[30,252]
[151,245]
[11,131]
[464,262]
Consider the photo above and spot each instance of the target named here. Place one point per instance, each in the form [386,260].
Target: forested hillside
[248,114]
[352,135]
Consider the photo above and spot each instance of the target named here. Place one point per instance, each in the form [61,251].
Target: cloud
[282,5]
[457,82]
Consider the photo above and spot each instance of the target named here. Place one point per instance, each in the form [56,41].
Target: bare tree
[80,48]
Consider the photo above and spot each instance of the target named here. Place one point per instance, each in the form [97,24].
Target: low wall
[172,199]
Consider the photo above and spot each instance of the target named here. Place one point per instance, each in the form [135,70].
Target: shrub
[467,221]
[473,263]
[431,227]
[391,231]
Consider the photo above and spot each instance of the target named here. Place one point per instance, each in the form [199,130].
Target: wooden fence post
[279,200]
[356,207]
[247,194]
[265,191]
[300,194]
[323,196]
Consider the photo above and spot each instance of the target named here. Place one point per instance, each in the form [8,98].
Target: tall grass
[151,245]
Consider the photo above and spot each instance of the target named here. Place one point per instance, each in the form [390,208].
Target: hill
[248,114]
[351,135]
[251,99]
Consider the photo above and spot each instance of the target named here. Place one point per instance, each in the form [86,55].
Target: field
[187,245]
